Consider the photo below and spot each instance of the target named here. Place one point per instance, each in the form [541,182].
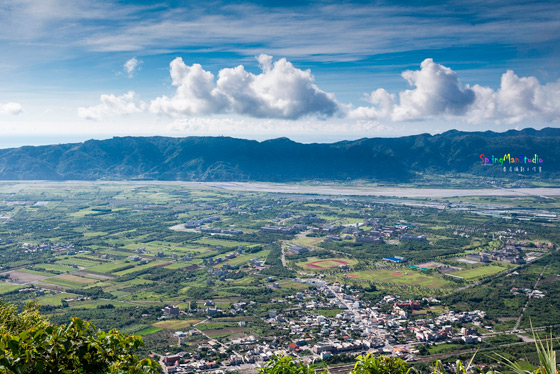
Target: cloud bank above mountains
[279,91]
[283,91]
[439,93]
[112,105]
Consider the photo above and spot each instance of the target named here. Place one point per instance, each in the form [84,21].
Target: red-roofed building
[293,347]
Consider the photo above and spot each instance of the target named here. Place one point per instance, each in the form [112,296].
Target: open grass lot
[434,309]
[294,285]
[212,325]
[330,312]
[479,272]
[404,276]
[176,324]
[307,241]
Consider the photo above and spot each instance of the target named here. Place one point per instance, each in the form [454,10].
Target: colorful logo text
[508,159]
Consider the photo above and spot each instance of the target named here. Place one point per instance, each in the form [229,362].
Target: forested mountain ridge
[279,160]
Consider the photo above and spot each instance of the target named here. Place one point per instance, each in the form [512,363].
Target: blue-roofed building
[396,259]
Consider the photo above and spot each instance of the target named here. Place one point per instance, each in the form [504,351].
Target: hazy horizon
[16,141]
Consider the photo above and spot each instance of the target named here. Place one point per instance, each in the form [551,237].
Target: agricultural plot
[75,278]
[54,267]
[69,280]
[244,258]
[108,267]
[148,331]
[220,242]
[141,267]
[26,277]
[176,324]
[81,262]
[35,272]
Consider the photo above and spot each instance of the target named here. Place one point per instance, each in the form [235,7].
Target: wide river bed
[380,191]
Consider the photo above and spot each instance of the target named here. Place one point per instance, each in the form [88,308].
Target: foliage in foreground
[546,355]
[364,365]
[30,344]
[370,364]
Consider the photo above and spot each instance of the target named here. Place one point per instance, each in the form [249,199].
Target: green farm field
[176,324]
[8,287]
[148,331]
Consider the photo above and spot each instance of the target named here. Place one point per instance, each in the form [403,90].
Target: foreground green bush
[380,365]
[30,344]
[370,364]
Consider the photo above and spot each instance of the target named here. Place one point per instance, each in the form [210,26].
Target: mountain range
[282,160]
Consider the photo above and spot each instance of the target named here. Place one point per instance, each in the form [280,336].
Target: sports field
[479,272]
[314,263]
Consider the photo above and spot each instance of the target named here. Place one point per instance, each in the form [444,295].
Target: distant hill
[278,160]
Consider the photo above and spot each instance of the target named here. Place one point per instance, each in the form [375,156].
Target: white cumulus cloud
[516,100]
[112,105]
[131,66]
[196,92]
[11,108]
[279,91]
[438,93]
[383,104]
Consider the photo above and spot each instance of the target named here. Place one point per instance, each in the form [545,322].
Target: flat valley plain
[116,253]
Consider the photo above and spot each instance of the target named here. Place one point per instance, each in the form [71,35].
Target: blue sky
[311,71]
